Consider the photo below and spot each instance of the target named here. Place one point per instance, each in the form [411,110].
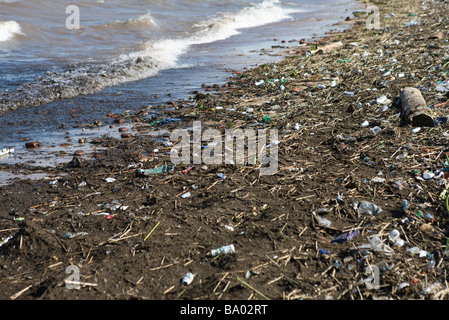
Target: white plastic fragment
[376,130]
[395,239]
[223,250]
[368,208]
[428,175]
[188,278]
[186,195]
[378,180]
[364,124]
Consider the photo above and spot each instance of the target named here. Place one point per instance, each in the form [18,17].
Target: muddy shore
[298,234]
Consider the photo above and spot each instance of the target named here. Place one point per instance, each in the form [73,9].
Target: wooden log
[414,108]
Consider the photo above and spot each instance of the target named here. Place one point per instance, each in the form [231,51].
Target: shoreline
[135,237]
[58,145]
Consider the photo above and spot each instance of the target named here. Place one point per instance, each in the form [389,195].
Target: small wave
[145,19]
[167,51]
[141,22]
[154,57]
[8,29]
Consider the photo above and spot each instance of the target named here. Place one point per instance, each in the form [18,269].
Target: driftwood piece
[414,108]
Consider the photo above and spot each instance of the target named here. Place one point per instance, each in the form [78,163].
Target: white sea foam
[151,58]
[8,29]
[166,52]
[146,18]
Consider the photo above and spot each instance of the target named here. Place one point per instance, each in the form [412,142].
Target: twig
[18,294]
[151,231]
[254,289]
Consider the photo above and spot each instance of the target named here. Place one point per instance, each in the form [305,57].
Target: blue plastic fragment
[346,236]
[169,120]
[325,252]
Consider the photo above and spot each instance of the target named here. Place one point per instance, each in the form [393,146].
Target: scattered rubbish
[378,180]
[228,227]
[376,244]
[395,239]
[442,86]
[168,120]
[328,48]
[186,171]
[70,235]
[364,124]
[187,279]
[428,175]
[346,236]
[404,206]
[368,208]
[5,240]
[186,195]
[413,251]
[403,285]
[383,100]
[163,169]
[321,220]
[223,250]
[34,144]
[345,139]
[6,151]
[221,176]
[340,199]
[376,130]
[323,211]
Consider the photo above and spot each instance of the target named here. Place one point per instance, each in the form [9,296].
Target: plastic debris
[70,235]
[186,195]
[168,120]
[322,251]
[346,236]
[395,239]
[376,244]
[163,169]
[223,250]
[404,206]
[6,151]
[368,208]
[376,130]
[187,279]
[322,221]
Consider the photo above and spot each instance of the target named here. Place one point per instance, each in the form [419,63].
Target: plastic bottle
[322,221]
[223,250]
[188,278]
[366,207]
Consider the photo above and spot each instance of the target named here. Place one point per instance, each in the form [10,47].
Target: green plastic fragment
[163,169]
